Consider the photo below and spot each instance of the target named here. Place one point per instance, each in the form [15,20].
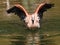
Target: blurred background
[13,31]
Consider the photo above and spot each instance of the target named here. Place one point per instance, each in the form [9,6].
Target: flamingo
[31,20]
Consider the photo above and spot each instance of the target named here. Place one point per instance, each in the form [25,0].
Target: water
[33,39]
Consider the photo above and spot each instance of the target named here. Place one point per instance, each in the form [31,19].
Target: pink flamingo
[31,20]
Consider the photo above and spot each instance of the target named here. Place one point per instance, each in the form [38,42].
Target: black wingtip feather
[44,8]
[48,6]
[17,11]
[11,10]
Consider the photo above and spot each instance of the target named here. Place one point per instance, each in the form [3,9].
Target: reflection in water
[33,39]
[30,39]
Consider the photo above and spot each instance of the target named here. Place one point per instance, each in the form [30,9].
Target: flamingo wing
[44,7]
[20,11]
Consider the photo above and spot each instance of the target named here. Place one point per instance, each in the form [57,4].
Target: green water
[13,31]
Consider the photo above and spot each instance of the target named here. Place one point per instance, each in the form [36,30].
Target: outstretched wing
[19,10]
[42,8]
